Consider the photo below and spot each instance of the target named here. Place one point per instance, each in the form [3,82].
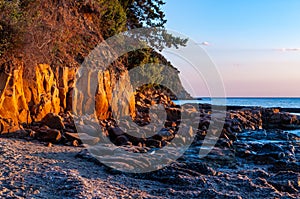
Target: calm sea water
[263,102]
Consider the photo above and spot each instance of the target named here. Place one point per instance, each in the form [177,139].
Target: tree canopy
[144,13]
[148,13]
[60,31]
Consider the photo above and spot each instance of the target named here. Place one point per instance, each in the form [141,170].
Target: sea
[255,102]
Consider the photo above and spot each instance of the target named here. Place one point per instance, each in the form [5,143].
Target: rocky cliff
[44,45]
[29,97]
[49,42]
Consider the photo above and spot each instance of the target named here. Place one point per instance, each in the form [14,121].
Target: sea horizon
[267,102]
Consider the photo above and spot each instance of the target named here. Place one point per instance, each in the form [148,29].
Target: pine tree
[148,13]
[144,13]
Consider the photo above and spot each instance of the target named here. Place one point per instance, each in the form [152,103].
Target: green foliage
[57,32]
[148,13]
[152,67]
[113,18]
[144,13]
[10,25]
[64,32]
[151,64]
[148,65]
[150,73]
[10,11]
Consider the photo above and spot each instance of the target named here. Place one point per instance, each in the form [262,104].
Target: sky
[255,44]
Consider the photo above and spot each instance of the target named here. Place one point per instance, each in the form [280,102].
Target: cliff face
[13,106]
[41,92]
[50,40]
[28,97]
[37,75]
[113,89]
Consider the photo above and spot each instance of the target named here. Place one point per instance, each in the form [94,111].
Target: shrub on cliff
[59,33]
[63,32]
[109,17]
[10,22]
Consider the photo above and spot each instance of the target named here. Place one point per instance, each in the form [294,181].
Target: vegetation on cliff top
[63,32]
[56,32]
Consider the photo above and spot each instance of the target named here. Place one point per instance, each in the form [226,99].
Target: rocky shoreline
[32,170]
[255,156]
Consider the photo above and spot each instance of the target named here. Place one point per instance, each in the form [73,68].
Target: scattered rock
[72,136]
[287,181]
[75,143]
[53,121]
[121,140]
[49,135]
[49,144]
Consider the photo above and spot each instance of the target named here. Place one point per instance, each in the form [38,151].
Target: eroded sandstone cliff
[50,41]
[30,97]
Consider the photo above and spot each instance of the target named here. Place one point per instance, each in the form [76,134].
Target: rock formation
[13,106]
[38,74]
[30,97]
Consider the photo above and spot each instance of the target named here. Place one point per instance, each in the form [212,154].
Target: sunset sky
[255,44]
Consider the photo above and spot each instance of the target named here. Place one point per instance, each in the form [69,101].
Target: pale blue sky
[254,43]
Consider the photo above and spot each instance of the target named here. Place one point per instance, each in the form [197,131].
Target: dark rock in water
[253,135]
[274,119]
[290,126]
[277,135]
[270,148]
[242,150]
[199,167]
[256,146]
[211,193]
[267,135]
[285,166]
[269,153]
[286,182]
[221,156]
[173,114]
[53,121]
[292,137]
[255,173]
